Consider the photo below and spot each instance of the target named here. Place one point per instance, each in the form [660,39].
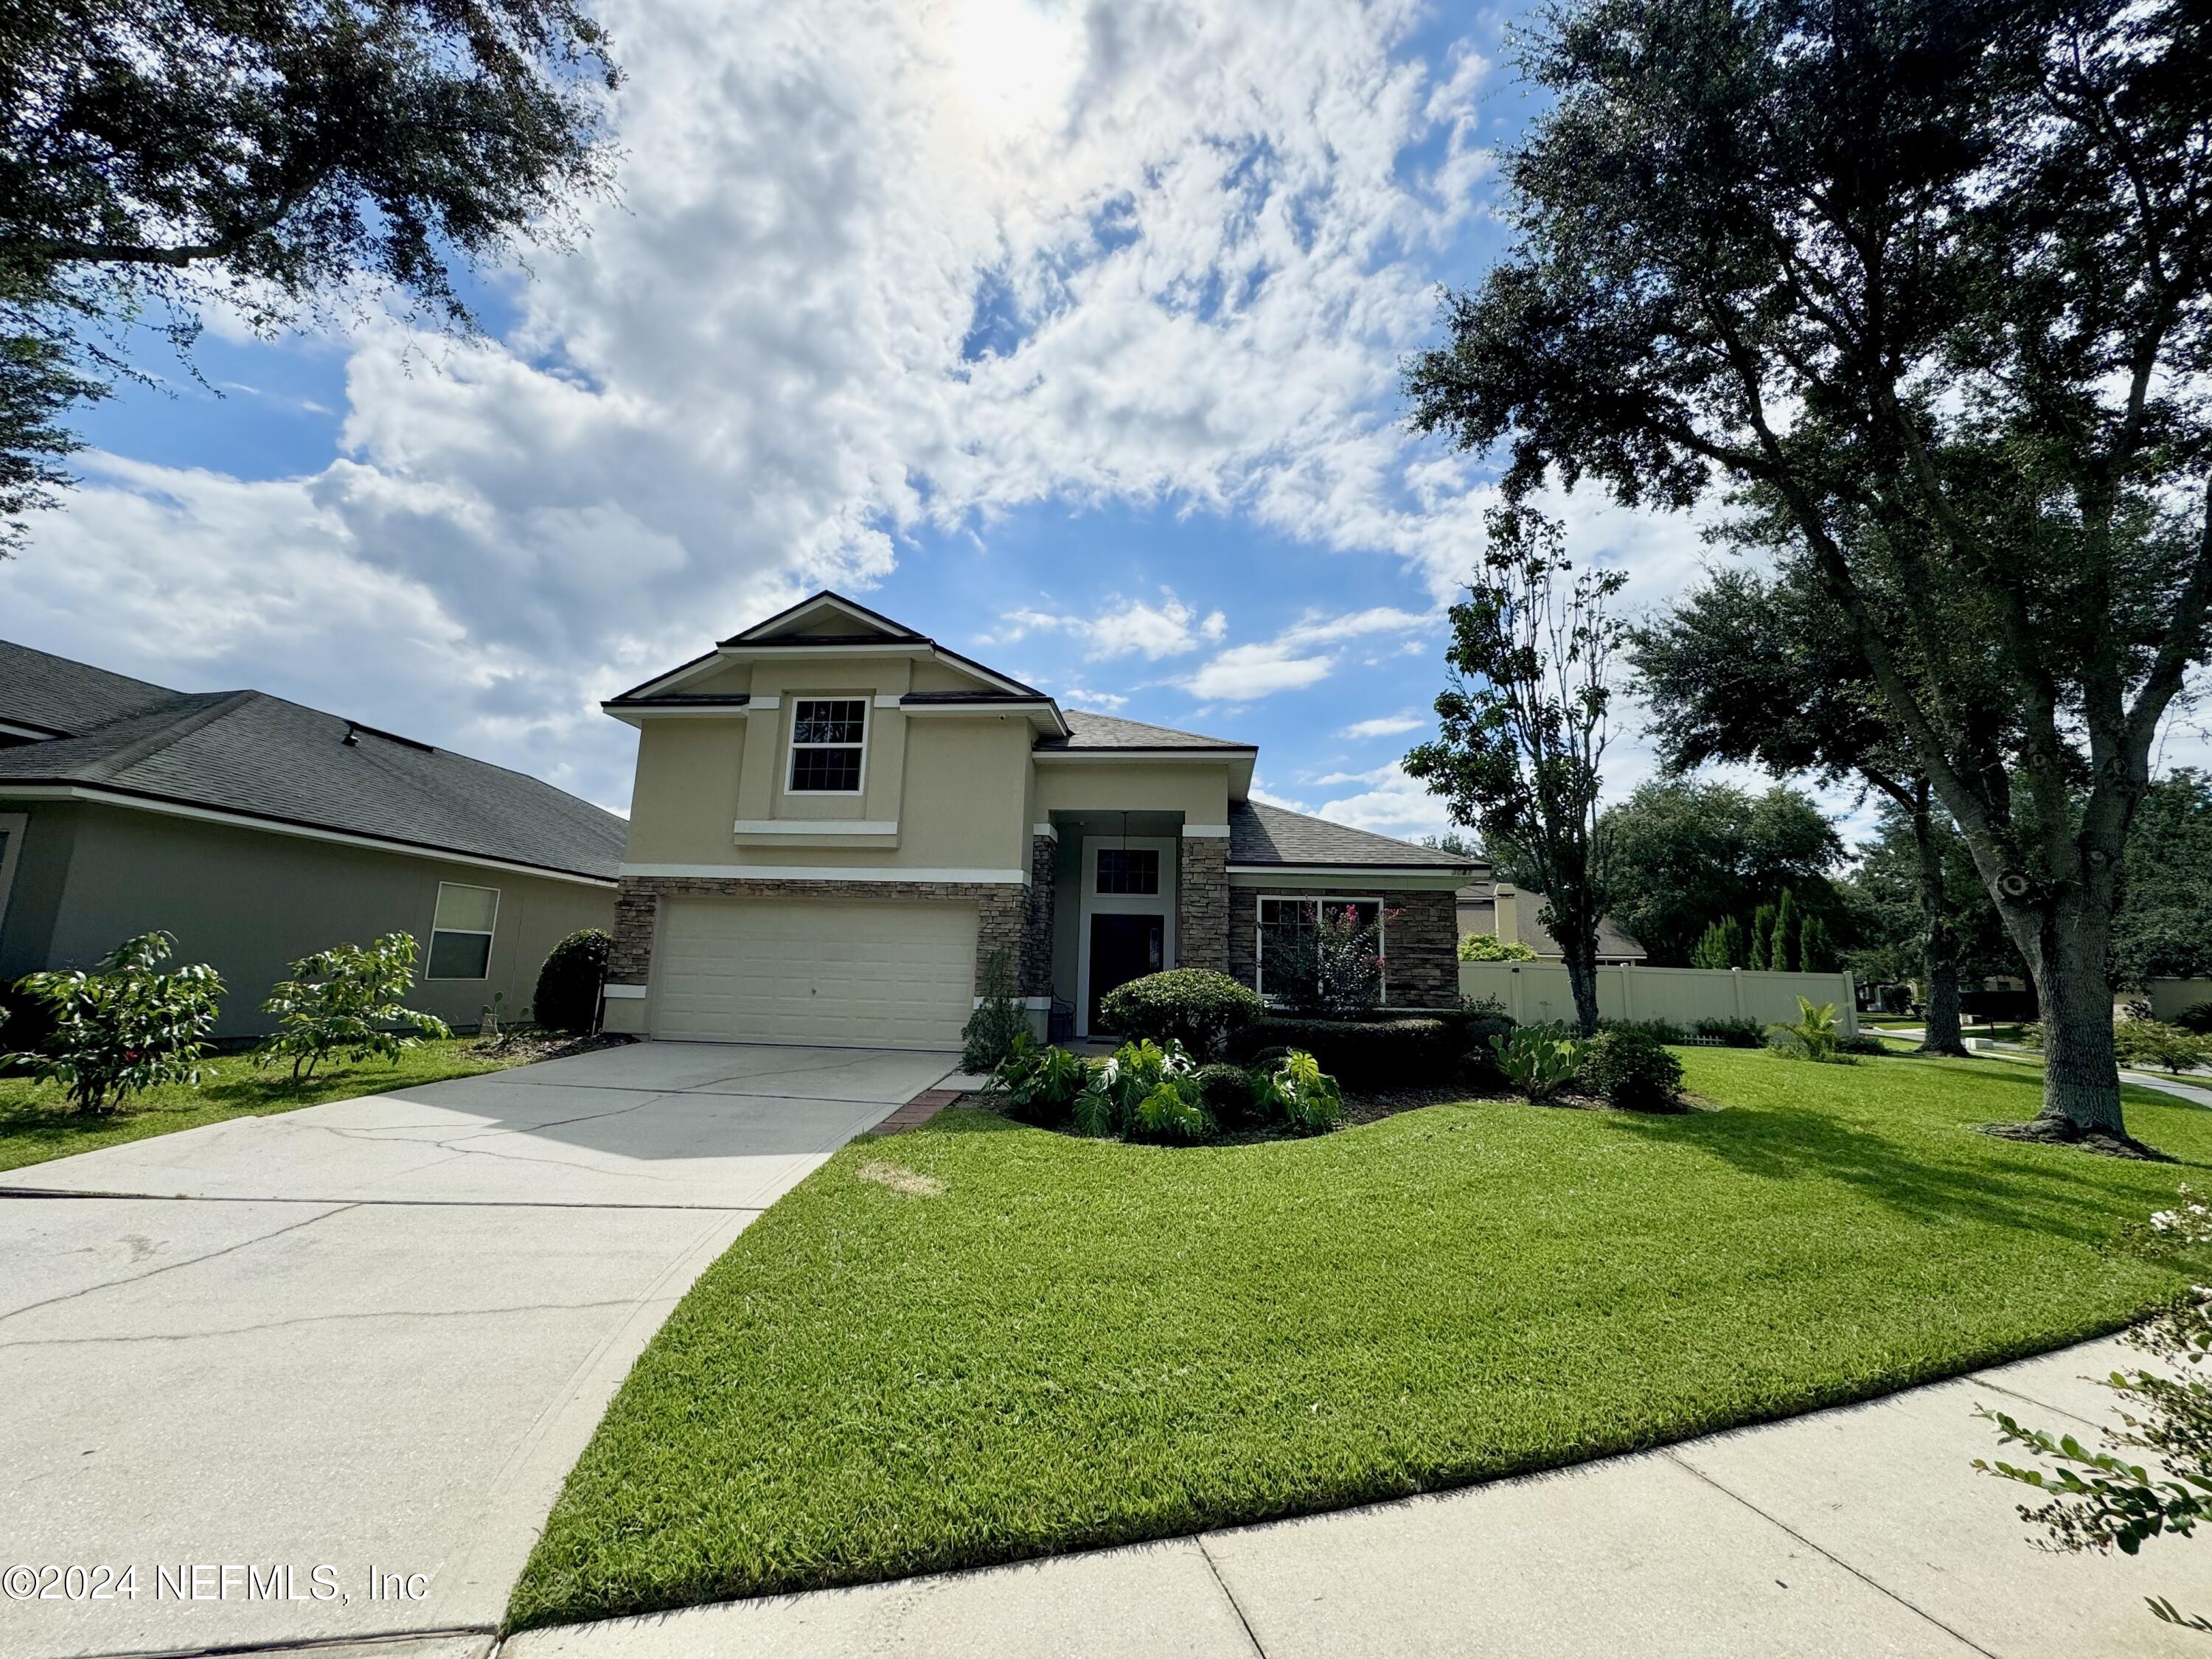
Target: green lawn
[1068,1343]
[36,1123]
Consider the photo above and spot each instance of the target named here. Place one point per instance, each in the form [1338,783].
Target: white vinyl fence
[1537,991]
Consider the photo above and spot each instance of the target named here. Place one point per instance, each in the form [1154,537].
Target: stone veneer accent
[1003,911]
[1203,903]
[1421,942]
[1043,901]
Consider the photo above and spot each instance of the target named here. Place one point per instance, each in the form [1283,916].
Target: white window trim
[1259,938]
[792,745]
[13,825]
[1091,902]
[491,936]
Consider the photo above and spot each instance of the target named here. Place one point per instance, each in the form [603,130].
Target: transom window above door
[1128,870]
[828,736]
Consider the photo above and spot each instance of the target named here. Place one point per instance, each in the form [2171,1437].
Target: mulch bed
[527,1047]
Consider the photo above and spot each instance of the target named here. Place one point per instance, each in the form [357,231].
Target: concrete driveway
[321,1375]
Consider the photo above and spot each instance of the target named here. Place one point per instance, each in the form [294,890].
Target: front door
[1122,948]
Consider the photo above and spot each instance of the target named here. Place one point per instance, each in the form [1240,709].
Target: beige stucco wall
[1197,789]
[250,903]
[685,796]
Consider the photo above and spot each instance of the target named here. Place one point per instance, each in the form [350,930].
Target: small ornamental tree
[1333,969]
[126,1027]
[1525,723]
[345,1000]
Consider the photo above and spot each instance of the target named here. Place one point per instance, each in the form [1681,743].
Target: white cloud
[1395,806]
[873,269]
[1105,702]
[1125,628]
[1243,673]
[1289,662]
[1384,725]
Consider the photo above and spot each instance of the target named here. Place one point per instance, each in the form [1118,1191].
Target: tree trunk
[1939,947]
[1581,979]
[2072,933]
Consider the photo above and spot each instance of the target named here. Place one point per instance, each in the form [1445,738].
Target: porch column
[1202,898]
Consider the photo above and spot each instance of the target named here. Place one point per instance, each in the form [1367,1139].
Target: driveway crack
[171,1266]
[313,1319]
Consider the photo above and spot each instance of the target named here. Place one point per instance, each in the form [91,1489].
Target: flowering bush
[1333,967]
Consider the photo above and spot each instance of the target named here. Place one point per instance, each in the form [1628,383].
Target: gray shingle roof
[246,751]
[1089,731]
[1260,834]
[69,698]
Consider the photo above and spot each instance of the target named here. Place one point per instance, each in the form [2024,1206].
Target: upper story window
[828,738]
[1128,870]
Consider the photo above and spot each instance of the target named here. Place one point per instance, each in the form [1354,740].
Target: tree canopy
[1688,852]
[280,157]
[1931,281]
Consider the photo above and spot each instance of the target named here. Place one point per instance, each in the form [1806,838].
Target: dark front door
[1122,948]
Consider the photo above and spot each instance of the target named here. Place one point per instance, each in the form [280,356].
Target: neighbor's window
[1128,870]
[460,934]
[826,735]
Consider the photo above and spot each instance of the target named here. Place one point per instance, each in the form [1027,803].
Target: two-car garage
[875,974]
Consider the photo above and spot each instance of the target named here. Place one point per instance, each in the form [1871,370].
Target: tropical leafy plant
[345,1000]
[1299,1093]
[125,1028]
[1538,1061]
[1117,1098]
[1814,1037]
[1040,1084]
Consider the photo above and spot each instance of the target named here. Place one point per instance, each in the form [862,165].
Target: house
[258,831]
[840,826]
[1510,912]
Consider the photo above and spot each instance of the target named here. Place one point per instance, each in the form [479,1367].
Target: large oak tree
[286,157]
[1930,277]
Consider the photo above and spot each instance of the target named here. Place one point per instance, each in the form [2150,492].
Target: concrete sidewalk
[1852,1533]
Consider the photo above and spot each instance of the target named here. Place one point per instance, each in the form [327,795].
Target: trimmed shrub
[1864,1043]
[1230,1092]
[1732,1033]
[1195,1007]
[568,995]
[1488,947]
[1408,1051]
[1633,1070]
[1659,1030]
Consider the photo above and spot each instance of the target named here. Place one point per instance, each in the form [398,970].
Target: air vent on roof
[354,728]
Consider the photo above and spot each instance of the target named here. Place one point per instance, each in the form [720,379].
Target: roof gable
[826,618]
[1263,834]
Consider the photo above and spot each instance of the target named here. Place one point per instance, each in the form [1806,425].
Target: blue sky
[1067,334]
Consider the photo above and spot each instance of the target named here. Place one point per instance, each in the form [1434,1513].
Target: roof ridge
[155,742]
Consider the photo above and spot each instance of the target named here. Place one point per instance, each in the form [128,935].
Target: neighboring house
[1509,912]
[839,824]
[259,831]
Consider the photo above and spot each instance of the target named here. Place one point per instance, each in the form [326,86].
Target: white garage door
[857,975]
